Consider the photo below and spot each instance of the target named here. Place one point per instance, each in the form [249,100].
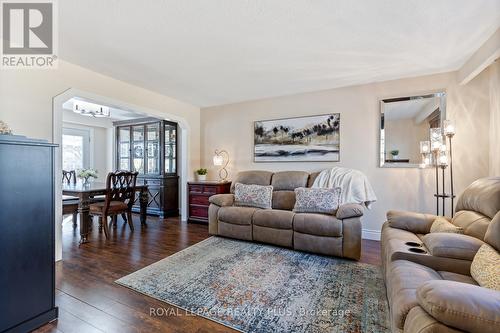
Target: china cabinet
[149,146]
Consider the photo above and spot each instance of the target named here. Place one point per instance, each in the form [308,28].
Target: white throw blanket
[355,187]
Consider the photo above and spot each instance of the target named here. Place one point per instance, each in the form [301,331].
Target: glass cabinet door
[138,148]
[153,148]
[124,148]
[170,148]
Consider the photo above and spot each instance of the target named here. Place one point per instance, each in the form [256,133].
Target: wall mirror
[404,123]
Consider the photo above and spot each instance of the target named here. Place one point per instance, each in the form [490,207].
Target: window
[75,149]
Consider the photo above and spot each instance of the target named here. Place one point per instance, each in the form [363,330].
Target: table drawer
[210,189]
[199,200]
[197,211]
[196,188]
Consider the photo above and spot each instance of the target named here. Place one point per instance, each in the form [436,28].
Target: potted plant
[201,174]
[86,174]
[395,154]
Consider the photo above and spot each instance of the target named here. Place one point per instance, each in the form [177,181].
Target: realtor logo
[28,32]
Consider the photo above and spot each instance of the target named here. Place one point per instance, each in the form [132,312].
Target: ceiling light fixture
[91,110]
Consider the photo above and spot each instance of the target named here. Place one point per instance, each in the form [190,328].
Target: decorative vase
[201,178]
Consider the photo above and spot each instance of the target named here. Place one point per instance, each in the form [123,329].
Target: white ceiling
[218,52]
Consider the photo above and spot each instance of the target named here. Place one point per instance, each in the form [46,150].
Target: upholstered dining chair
[70,203]
[120,195]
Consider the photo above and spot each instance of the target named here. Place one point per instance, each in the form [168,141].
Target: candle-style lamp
[221,158]
[443,164]
[425,150]
[436,136]
[449,132]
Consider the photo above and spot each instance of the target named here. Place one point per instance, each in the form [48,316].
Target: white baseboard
[370,234]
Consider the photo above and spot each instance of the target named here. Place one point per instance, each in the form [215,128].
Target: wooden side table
[198,194]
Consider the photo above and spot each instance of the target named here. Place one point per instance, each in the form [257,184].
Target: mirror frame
[383,102]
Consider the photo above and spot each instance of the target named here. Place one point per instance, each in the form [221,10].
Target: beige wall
[26,101]
[230,127]
[405,135]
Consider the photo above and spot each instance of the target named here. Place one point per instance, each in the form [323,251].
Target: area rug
[261,288]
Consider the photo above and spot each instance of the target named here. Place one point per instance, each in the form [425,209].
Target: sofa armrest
[419,321]
[460,305]
[222,200]
[414,222]
[450,245]
[349,210]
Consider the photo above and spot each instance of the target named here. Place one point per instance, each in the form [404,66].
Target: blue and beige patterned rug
[261,288]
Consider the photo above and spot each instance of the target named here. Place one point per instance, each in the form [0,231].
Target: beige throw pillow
[317,200]
[441,224]
[485,268]
[253,195]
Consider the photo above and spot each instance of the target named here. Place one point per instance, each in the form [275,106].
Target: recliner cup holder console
[417,250]
[413,244]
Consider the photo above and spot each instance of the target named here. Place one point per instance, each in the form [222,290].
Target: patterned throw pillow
[441,224]
[485,268]
[317,200]
[253,195]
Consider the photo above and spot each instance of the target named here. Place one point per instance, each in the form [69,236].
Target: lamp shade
[443,159]
[218,160]
[425,147]
[436,137]
[449,127]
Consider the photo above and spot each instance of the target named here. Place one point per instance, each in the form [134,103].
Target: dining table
[88,193]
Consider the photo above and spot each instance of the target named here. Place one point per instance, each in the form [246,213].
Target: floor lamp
[449,132]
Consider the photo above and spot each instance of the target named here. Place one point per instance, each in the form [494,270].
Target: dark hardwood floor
[90,301]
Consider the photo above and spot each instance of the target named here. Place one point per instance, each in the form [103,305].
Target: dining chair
[70,203]
[119,199]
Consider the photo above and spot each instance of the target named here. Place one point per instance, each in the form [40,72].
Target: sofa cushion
[256,177]
[473,223]
[312,178]
[317,224]
[289,180]
[450,276]
[283,200]
[253,195]
[466,307]
[419,321]
[482,196]
[448,245]
[485,267]
[237,215]
[492,235]
[273,218]
[441,224]
[404,277]
[317,200]
[414,222]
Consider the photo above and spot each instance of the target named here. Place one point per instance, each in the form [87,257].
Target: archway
[57,124]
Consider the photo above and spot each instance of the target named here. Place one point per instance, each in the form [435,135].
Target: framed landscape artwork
[301,139]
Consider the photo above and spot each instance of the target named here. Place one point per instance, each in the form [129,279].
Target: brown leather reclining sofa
[433,291]
[334,235]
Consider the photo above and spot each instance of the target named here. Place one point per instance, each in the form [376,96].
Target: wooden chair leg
[130,221]
[114,220]
[124,217]
[100,223]
[105,226]
[75,217]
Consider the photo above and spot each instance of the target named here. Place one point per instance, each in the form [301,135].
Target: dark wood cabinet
[198,194]
[149,146]
[27,238]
